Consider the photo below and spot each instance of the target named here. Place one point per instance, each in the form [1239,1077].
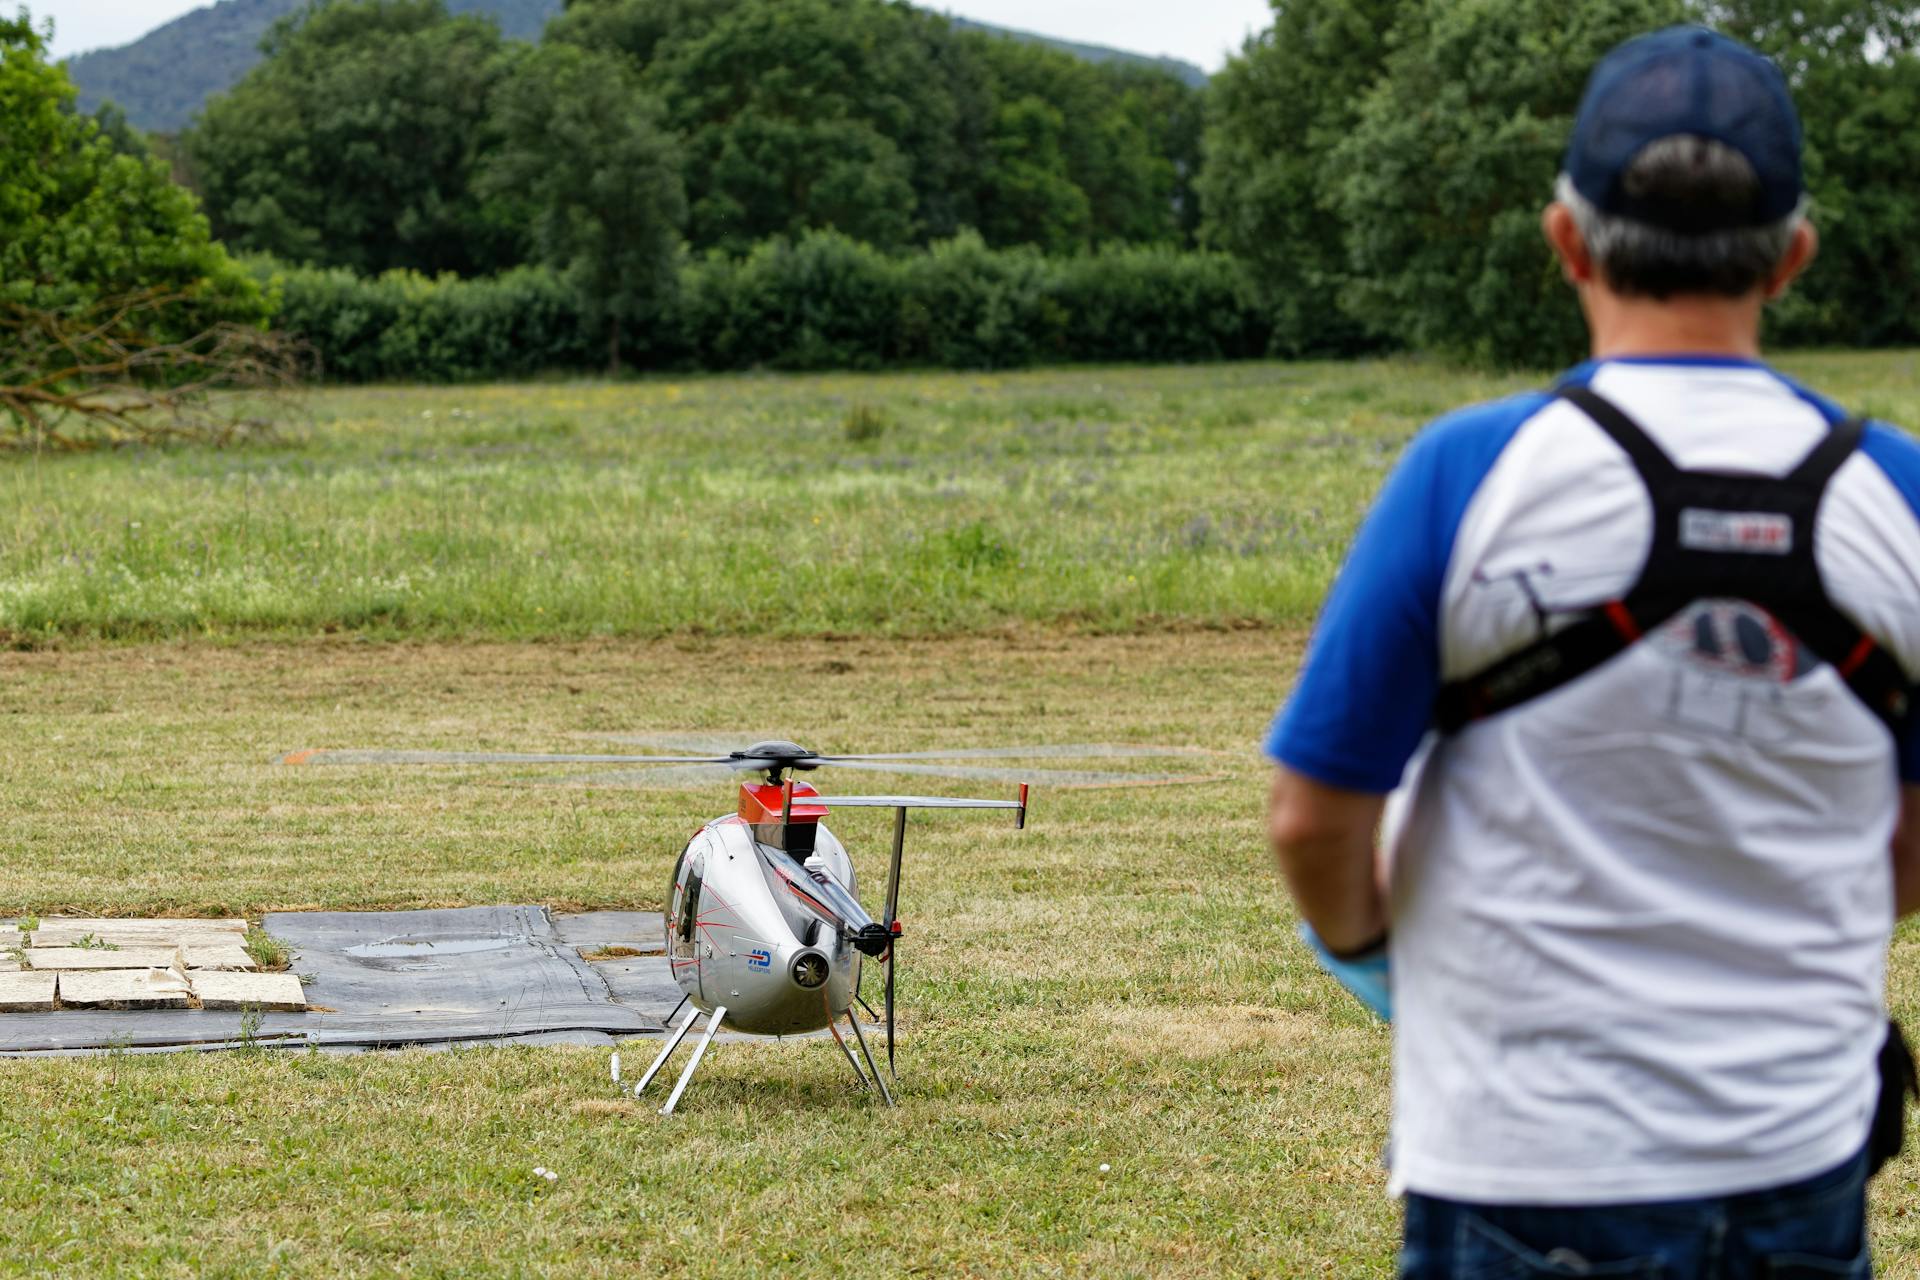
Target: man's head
[1682,180]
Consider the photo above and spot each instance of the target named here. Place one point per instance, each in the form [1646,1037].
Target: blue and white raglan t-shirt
[1639,923]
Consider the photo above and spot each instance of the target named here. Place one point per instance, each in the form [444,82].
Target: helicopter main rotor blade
[720,744]
[1058,751]
[356,757]
[1053,777]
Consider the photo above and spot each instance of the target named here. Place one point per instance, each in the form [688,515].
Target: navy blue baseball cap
[1686,81]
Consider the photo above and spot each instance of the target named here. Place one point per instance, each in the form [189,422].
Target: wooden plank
[69,958]
[66,931]
[225,956]
[125,989]
[268,992]
[27,992]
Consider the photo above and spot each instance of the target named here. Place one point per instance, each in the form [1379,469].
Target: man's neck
[1684,325]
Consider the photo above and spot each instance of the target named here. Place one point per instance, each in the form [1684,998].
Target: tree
[1452,156]
[1856,78]
[356,142]
[1027,197]
[109,279]
[884,122]
[1121,128]
[1268,192]
[809,114]
[85,221]
[584,146]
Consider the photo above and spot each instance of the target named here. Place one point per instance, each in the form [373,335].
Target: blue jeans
[1812,1230]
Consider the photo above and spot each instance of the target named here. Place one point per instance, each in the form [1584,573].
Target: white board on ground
[128,988]
[93,958]
[65,932]
[271,992]
[231,956]
[27,992]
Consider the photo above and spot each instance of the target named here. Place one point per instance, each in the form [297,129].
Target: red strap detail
[1622,621]
[1858,658]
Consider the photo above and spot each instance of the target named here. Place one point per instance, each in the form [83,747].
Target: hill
[1093,52]
[161,79]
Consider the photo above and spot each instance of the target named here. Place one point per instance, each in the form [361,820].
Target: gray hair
[1642,259]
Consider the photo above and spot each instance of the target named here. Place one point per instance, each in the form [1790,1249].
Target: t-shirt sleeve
[1898,456]
[1365,695]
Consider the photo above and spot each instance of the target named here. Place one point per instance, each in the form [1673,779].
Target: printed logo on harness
[1754,533]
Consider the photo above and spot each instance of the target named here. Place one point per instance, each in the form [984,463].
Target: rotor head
[776,756]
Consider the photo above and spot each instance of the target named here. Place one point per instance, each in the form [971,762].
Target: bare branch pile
[114,372]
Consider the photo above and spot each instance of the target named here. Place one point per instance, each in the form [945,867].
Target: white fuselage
[737,929]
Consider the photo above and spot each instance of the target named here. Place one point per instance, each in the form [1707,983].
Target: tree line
[685,181]
[1395,202]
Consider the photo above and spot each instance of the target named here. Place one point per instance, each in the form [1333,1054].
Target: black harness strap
[1716,535]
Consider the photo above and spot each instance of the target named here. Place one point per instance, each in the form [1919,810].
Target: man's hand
[1906,854]
[1323,839]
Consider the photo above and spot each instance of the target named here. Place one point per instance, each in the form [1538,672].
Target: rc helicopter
[764,928]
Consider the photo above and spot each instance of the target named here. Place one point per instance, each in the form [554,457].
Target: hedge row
[823,302]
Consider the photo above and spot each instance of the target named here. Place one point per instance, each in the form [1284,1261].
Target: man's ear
[1801,251]
[1563,233]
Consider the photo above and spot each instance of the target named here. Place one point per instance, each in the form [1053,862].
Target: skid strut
[841,1040]
[693,1064]
[867,1053]
[673,1042]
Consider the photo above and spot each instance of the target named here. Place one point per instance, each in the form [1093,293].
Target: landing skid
[868,1078]
[693,1064]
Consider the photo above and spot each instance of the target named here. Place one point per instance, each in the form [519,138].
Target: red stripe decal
[1622,621]
[1858,658]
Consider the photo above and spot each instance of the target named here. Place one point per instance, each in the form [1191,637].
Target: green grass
[1105,499]
[1118,985]
[1101,499]
[1115,985]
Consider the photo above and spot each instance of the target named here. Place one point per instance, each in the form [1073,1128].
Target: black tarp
[397,979]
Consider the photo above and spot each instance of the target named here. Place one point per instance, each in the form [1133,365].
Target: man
[1636,656]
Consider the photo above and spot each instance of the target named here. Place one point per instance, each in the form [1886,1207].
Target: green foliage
[1029,199]
[823,301]
[1380,165]
[1127,139]
[1453,155]
[582,145]
[796,114]
[402,325]
[86,220]
[883,122]
[357,142]
[1268,187]
[1856,78]
[268,953]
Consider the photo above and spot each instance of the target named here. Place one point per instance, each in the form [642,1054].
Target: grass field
[1116,986]
[899,504]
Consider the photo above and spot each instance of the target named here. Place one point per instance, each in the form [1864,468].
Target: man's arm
[1906,853]
[1323,840]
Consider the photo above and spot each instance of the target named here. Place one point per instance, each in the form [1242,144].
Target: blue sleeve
[1365,695]
[1896,454]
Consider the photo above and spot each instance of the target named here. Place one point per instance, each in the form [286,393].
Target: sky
[1200,31]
